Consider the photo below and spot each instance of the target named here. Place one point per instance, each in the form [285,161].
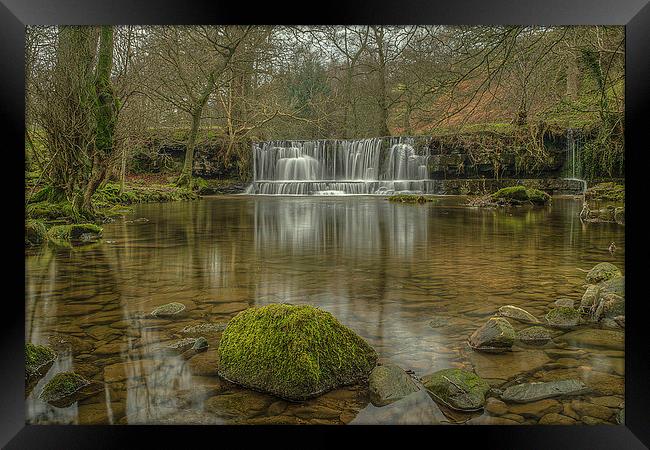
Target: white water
[339,167]
[573,163]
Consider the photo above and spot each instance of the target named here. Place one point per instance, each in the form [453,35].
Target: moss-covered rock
[606,192]
[612,286]
[78,233]
[519,195]
[497,335]
[456,388]
[65,388]
[589,298]
[602,272]
[35,232]
[411,198]
[534,336]
[292,351]
[38,360]
[563,317]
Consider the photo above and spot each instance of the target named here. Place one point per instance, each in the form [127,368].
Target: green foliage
[292,351]
[606,192]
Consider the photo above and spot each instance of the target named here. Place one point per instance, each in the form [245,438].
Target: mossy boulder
[35,232]
[606,192]
[65,388]
[589,298]
[496,336]
[77,233]
[534,336]
[38,360]
[563,317]
[456,388]
[612,286]
[520,195]
[519,314]
[292,351]
[602,272]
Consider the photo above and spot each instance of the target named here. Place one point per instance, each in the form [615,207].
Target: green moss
[37,356]
[457,388]
[563,317]
[35,232]
[606,192]
[292,351]
[64,235]
[411,198]
[602,272]
[520,195]
[62,385]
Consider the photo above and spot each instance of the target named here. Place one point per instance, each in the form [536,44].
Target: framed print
[382,218]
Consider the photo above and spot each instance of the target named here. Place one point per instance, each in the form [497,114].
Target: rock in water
[388,384]
[534,336]
[513,312]
[292,351]
[496,336]
[589,298]
[602,272]
[456,388]
[563,317]
[200,345]
[531,392]
[173,309]
[613,286]
[65,388]
[566,302]
[38,360]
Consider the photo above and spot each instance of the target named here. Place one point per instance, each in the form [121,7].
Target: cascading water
[573,162]
[339,167]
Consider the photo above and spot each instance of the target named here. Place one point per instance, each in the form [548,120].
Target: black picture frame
[634,14]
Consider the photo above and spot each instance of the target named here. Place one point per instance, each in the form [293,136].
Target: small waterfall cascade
[573,162]
[339,167]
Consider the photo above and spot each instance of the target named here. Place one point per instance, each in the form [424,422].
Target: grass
[411,198]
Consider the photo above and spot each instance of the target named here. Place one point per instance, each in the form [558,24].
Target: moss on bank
[292,351]
[517,195]
[606,192]
[62,385]
[66,235]
[36,357]
[411,198]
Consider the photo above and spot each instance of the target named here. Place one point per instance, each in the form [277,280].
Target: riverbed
[413,280]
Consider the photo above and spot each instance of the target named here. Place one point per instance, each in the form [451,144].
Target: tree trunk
[572,77]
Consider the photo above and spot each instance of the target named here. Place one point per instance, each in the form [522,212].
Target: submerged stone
[594,337]
[173,309]
[566,302]
[534,336]
[602,272]
[514,312]
[530,392]
[204,328]
[387,384]
[456,388]
[65,388]
[292,351]
[182,344]
[563,317]
[497,335]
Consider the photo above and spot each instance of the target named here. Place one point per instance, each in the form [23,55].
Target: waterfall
[573,162]
[339,167]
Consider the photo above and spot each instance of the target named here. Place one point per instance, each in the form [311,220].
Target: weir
[340,167]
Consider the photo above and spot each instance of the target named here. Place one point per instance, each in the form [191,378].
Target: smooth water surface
[385,270]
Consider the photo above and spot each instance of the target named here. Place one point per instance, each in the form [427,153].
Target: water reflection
[383,269]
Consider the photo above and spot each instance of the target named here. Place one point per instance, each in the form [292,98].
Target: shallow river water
[413,280]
